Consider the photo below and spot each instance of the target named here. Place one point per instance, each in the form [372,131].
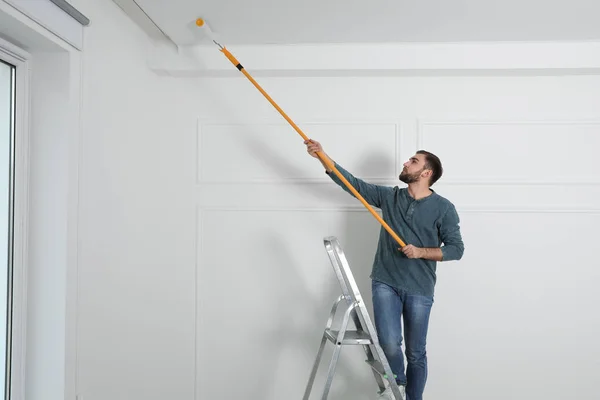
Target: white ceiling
[360,21]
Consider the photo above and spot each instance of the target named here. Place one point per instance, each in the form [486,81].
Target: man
[403,279]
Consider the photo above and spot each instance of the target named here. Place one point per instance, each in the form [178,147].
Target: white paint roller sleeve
[205,29]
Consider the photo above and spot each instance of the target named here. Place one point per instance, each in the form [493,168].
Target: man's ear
[426,173]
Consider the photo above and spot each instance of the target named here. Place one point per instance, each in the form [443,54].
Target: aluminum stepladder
[363,335]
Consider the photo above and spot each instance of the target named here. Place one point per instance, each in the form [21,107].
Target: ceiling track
[72,11]
[137,14]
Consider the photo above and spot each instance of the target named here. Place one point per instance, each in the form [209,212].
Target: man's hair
[433,163]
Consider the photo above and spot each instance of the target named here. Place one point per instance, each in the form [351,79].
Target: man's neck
[418,191]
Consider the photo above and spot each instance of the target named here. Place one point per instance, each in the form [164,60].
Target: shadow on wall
[294,334]
[268,153]
[290,334]
[361,233]
[358,238]
[359,241]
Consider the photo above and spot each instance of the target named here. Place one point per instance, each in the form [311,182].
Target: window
[7,163]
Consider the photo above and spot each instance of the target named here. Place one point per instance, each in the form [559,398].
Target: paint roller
[205,31]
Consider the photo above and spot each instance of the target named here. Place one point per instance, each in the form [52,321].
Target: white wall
[519,155]
[136,244]
[201,268]
[54,101]
[45,247]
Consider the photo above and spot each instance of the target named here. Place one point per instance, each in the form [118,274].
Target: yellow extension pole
[327,162]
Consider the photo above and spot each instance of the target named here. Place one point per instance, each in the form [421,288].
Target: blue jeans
[389,305]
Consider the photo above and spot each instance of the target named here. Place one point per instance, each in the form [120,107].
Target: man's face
[414,169]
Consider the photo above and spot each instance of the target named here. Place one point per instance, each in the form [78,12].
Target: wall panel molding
[423,124]
[460,209]
[396,132]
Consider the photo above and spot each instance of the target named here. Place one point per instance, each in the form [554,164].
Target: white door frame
[20,59]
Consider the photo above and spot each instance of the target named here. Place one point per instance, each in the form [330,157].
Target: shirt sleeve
[373,194]
[450,235]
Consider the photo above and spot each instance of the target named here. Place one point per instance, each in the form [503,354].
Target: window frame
[18,300]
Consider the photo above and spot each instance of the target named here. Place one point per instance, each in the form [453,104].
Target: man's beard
[408,178]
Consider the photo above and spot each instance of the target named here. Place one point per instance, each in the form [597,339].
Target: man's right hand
[313,147]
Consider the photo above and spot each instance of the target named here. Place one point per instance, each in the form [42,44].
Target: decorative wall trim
[398,134]
[460,209]
[201,180]
[285,209]
[198,252]
[289,181]
[423,123]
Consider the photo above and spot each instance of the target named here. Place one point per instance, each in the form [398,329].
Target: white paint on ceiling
[354,21]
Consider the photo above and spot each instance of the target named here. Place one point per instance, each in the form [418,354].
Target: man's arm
[428,253]
[451,237]
[453,246]
[326,161]
[432,253]
[373,194]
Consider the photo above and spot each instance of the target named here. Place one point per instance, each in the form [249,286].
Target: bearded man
[403,279]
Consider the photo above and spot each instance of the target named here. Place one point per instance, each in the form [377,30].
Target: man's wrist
[431,253]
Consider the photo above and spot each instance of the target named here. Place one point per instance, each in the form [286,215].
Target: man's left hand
[411,251]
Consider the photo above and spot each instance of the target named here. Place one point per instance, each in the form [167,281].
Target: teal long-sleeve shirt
[429,222]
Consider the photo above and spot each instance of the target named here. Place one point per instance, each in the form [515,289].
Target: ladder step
[376,365]
[350,337]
